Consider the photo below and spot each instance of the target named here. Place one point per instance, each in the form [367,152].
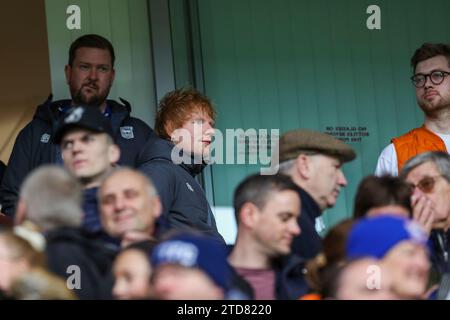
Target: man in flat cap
[314,162]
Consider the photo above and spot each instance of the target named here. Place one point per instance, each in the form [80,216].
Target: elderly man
[314,162]
[50,201]
[129,206]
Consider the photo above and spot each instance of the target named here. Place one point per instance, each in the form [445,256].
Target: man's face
[88,155]
[127,204]
[431,97]
[276,224]
[439,195]
[195,135]
[90,77]
[326,180]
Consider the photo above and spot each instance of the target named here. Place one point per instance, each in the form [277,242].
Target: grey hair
[52,197]
[286,166]
[440,159]
[152,192]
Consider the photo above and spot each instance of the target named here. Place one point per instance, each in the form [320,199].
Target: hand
[134,236]
[423,211]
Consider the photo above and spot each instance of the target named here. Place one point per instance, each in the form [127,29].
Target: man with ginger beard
[431,67]
[89,74]
[185,124]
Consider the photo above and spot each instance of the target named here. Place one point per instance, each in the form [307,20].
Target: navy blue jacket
[91,223]
[91,220]
[309,243]
[183,199]
[34,145]
[73,247]
[439,244]
[290,278]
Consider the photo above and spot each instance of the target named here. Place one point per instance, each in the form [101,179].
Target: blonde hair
[20,248]
[39,284]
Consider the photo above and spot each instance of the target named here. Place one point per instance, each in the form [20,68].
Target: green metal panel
[314,64]
[125,23]
[181,43]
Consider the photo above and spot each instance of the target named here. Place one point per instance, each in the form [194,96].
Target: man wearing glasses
[431,66]
[429,175]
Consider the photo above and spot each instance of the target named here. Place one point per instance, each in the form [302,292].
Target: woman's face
[132,276]
[409,265]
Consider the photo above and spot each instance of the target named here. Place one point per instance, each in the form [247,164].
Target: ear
[157,206]
[68,72]
[303,166]
[20,212]
[249,215]
[114,153]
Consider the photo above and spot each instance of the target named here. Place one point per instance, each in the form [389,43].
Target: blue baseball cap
[195,251]
[374,237]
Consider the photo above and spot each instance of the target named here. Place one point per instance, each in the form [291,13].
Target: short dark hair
[91,41]
[430,50]
[376,191]
[257,189]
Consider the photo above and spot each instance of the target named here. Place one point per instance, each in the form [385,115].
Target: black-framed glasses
[426,184]
[436,77]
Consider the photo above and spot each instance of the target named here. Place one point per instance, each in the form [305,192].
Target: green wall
[125,23]
[270,64]
[314,64]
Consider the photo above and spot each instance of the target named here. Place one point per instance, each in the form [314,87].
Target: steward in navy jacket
[183,199]
[34,144]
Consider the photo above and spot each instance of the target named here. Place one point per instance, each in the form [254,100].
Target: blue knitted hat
[374,237]
[194,251]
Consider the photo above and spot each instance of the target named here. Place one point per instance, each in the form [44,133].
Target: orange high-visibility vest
[414,142]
